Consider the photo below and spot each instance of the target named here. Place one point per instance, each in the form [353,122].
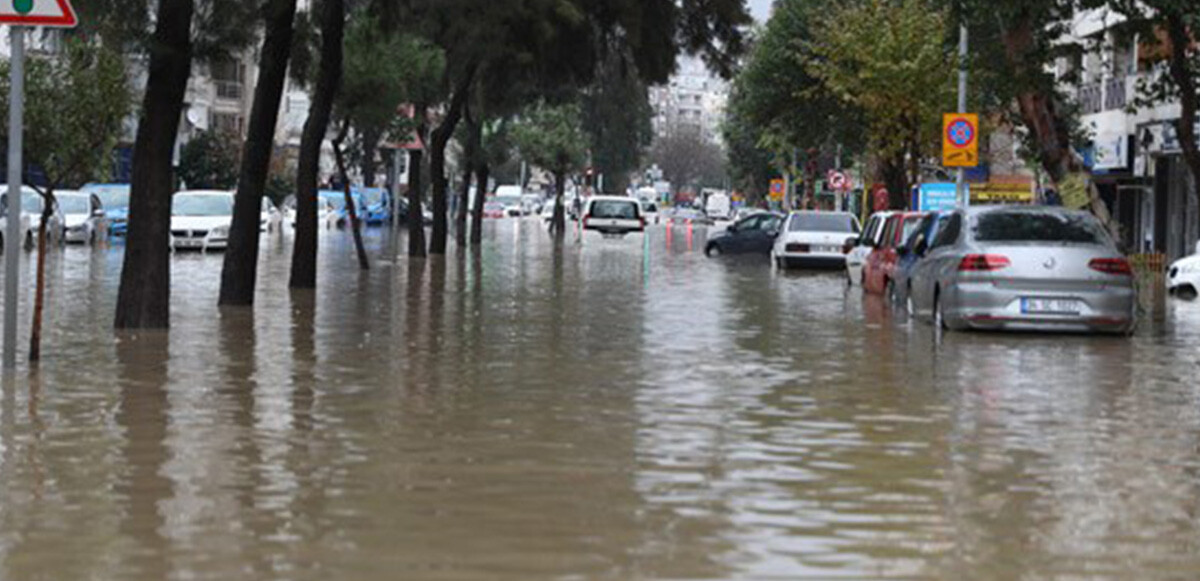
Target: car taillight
[1118,266]
[643,221]
[983,263]
[585,220]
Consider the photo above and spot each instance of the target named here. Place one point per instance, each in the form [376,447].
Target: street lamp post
[963,199]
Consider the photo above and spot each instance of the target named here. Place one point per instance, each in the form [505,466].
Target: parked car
[911,253]
[753,235]
[868,239]
[83,216]
[820,239]
[337,199]
[613,215]
[1183,277]
[31,217]
[378,205]
[327,213]
[494,209]
[1025,268]
[114,198]
[200,220]
[513,199]
[879,269]
[650,211]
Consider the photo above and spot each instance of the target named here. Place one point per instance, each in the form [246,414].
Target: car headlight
[219,232]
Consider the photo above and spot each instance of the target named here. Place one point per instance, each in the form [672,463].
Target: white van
[613,215]
[718,206]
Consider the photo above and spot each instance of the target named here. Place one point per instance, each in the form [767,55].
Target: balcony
[1091,98]
[1115,93]
[229,90]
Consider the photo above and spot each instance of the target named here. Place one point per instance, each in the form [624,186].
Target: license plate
[1051,306]
[186,243]
[828,249]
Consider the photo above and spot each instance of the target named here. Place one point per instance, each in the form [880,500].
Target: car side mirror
[773,233]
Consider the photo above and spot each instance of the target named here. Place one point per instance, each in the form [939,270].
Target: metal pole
[963,199]
[12,236]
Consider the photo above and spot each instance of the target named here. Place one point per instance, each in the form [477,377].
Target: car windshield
[113,197]
[373,196]
[614,209]
[822,223]
[1037,227]
[509,200]
[31,203]
[202,205]
[74,203]
[337,201]
[649,207]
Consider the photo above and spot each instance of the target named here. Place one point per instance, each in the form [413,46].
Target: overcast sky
[761,9]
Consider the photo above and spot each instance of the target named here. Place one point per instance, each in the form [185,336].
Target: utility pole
[12,237]
[963,199]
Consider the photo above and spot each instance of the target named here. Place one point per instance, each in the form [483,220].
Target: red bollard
[689,235]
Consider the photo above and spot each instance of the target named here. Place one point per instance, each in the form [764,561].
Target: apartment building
[693,100]
[1135,155]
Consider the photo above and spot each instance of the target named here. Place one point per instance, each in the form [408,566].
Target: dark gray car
[1024,268]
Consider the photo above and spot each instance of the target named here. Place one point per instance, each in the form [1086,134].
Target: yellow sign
[1003,191]
[777,187]
[960,140]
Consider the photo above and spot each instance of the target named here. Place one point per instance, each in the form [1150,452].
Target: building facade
[693,100]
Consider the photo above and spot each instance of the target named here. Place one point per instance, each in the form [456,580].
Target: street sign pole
[12,236]
[963,199]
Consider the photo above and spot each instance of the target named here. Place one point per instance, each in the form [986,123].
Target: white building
[693,99]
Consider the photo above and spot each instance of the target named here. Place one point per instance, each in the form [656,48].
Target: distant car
[719,206]
[378,205]
[83,216]
[513,198]
[820,239]
[650,212]
[494,209]
[613,215]
[200,220]
[1026,268]
[327,214]
[753,235]
[878,271]
[680,215]
[31,217]
[911,253]
[868,239]
[114,198]
[1183,277]
[337,199]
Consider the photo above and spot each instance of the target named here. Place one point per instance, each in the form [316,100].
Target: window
[1072,228]
[823,223]
[614,209]
[228,123]
[910,240]
[948,234]
[889,232]
[910,227]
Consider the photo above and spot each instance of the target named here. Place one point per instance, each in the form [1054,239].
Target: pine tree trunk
[481,187]
[143,301]
[416,218]
[437,161]
[39,295]
[240,271]
[329,77]
[351,209]
[1185,79]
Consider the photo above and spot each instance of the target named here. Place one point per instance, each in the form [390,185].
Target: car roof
[204,193]
[613,199]
[816,213]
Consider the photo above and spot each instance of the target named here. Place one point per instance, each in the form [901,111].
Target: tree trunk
[481,187]
[416,218]
[437,160]
[329,76]
[240,271]
[1185,80]
[143,300]
[39,295]
[895,178]
[355,223]
[470,153]
[559,222]
[370,138]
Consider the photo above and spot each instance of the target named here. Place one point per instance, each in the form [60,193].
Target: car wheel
[713,250]
[889,291]
[909,305]
[939,317]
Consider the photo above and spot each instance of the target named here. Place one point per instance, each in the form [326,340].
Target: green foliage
[210,161]
[902,99]
[551,137]
[616,117]
[75,105]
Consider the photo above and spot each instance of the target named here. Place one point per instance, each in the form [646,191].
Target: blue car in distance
[337,199]
[912,252]
[114,198]
[378,204]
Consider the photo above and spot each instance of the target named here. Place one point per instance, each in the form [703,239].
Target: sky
[761,9]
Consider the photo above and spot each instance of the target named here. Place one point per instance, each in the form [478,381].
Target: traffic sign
[777,187]
[960,140]
[54,13]
[838,181]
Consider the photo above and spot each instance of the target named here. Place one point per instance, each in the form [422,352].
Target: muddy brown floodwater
[619,409]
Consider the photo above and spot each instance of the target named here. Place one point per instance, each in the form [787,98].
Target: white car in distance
[867,241]
[1183,277]
[613,215]
[83,216]
[815,239]
[200,220]
[31,218]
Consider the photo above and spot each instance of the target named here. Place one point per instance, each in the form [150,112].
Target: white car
[200,220]
[83,217]
[867,241]
[31,217]
[1183,278]
[819,239]
[650,211]
[327,214]
[613,215]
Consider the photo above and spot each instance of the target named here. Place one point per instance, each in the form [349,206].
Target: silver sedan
[1024,269]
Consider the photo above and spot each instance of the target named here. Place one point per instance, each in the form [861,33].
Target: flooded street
[619,409]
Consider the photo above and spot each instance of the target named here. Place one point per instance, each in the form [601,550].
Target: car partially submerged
[613,215]
[200,220]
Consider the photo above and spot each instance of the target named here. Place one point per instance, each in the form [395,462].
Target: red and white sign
[838,181]
[54,13]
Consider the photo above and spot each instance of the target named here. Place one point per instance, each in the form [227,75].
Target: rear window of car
[614,209]
[822,223]
[1037,227]
[910,226]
